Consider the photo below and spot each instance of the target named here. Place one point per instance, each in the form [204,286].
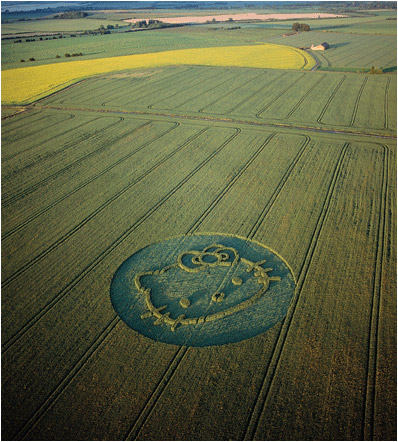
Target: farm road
[215,119]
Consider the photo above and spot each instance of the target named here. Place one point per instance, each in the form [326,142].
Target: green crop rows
[309,99]
[302,162]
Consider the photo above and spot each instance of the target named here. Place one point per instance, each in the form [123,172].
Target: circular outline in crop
[202,290]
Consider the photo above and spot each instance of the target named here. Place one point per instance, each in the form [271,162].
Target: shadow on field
[338,45]
[332,27]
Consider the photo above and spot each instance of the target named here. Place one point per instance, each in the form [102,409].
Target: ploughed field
[302,162]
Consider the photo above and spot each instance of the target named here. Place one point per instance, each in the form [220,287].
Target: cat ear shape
[214,255]
[189,261]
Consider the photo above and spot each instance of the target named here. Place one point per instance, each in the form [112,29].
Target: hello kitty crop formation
[195,261]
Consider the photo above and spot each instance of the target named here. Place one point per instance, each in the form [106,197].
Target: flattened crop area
[98,171]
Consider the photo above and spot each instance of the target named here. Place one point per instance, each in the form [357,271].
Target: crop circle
[201,290]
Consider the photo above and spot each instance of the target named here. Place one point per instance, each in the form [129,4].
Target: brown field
[247,16]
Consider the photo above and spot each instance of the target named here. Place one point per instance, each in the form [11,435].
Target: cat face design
[202,286]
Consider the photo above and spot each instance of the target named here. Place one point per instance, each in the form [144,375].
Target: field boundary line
[80,186]
[24,431]
[20,109]
[39,184]
[306,61]
[279,188]
[329,100]
[358,99]
[293,83]
[231,121]
[113,246]
[383,57]
[269,375]
[59,91]
[233,90]
[53,153]
[371,366]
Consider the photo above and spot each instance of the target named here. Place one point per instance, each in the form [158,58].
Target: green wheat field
[303,162]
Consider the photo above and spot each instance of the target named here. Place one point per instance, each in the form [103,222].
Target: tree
[296,26]
[300,27]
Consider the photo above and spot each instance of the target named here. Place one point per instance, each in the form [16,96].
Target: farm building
[320,47]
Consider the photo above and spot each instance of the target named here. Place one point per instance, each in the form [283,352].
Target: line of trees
[71,15]
[67,55]
[153,24]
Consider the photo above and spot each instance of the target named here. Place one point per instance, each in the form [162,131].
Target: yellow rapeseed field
[29,83]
